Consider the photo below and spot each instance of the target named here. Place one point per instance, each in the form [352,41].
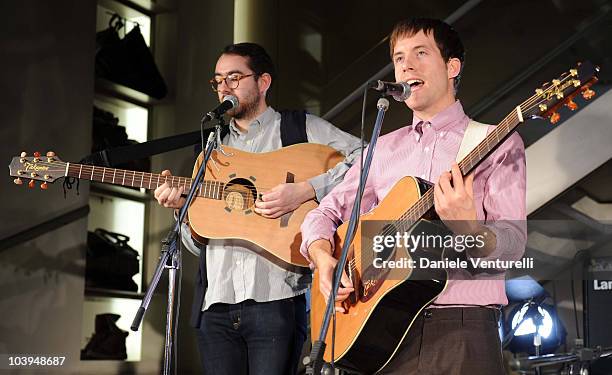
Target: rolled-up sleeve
[322,132]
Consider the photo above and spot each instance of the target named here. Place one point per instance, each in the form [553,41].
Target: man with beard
[251,318]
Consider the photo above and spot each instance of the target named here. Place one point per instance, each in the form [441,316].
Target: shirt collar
[266,117]
[448,116]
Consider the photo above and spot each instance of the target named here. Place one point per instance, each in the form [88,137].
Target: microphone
[229,102]
[400,91]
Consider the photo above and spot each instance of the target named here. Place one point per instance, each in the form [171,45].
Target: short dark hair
[258,59]
[447,39]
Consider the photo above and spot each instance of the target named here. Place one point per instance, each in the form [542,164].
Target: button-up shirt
[426,149]
[238,270]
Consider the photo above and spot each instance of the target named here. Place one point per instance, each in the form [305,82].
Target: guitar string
[98,173]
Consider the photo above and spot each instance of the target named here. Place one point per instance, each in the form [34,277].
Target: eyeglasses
[232,81]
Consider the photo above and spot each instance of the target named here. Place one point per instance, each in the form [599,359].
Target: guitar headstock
[46,168]
[561,92]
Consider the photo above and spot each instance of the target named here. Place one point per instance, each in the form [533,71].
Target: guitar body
[245,176]
[378,315]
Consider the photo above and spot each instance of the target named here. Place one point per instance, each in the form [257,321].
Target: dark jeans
[451,341]
[252,337]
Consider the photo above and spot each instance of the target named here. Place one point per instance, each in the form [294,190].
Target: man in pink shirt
[457,334]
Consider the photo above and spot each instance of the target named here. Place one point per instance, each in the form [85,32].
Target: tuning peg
[44,186]
[571,105]
[50,154]
[36,154]
[18,181]
[31,184]
[554,118]
[588,94]
[23,154]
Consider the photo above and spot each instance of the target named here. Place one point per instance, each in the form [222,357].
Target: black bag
[128,61]
[111,262]
[108,134]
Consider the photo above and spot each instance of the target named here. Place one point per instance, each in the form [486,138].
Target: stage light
[526,311]
[524,318]
[527,326]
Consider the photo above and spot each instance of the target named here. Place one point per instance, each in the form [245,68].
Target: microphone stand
[538,319]
[316,364]
[170,256]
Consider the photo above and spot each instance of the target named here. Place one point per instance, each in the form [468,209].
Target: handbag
[128,61]
[111,262]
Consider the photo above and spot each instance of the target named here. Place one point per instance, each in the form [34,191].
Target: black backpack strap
[293,127]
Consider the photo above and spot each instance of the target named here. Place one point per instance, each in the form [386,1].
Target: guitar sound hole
[239,194]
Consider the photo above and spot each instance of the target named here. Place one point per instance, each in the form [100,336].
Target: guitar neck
[145,180]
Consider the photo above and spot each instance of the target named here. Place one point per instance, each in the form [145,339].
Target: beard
[247,107]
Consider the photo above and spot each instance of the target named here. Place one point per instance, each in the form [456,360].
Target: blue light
[527,327]
[521,317]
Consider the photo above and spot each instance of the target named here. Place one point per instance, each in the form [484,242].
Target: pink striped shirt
[426,149]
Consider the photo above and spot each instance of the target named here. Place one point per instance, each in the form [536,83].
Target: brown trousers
[451,341]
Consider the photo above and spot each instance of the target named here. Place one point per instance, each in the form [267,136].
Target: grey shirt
[238,270]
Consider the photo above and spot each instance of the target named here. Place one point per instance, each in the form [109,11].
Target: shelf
[117,91]
[127,94]
[113,207]
[151,7]
[100,292]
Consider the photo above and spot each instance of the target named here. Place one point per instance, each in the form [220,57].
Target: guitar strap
[474,134]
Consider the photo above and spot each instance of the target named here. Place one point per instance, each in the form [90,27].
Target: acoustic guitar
[385,303]
[223,207]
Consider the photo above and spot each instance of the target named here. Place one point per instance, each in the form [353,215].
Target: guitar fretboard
[208,189]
